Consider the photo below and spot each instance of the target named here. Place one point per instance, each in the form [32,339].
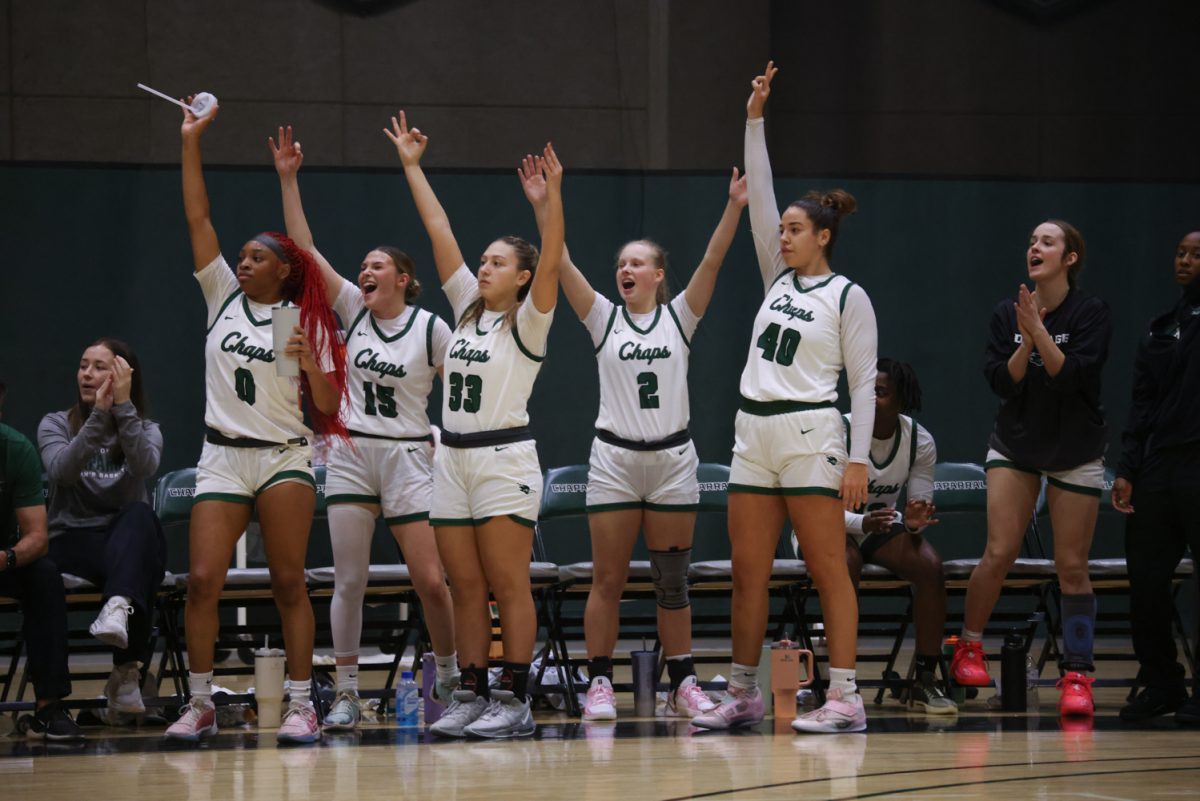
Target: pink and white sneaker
[737,708]
[688,701]
[839,715]
[196,721]
[300,725]
[600,704]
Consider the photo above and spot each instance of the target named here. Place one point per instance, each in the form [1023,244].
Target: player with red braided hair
[257,451]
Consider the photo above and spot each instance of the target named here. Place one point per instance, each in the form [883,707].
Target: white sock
[300,691]
[200,685]
[743,677]
[972,636]
[351,529]
[842,679]
[121,599]
[347,676]
[447,668]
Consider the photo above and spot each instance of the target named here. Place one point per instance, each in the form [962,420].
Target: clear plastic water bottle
[408,701]
[1031,684]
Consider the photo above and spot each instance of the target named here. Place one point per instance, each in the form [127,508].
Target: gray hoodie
[87,488]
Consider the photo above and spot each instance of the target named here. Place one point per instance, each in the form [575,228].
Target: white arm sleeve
[853,523]
[859,355]
[596,321]
[920,475]
[461,290]
[764,211]
[441,341]
[217,283]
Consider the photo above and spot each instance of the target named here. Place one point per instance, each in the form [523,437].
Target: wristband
[11,559]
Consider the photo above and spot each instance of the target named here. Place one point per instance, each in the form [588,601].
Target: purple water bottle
[433,710]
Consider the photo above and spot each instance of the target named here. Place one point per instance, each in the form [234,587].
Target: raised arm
[760,187]
[205,247]
[410,146]
[700,288]
[579,292]
[288,158]
[544,290]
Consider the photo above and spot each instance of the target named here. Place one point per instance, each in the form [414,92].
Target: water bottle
[408,701]
[1013,677]
[1031,684]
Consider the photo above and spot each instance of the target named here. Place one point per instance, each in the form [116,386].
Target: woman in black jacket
[1159,473]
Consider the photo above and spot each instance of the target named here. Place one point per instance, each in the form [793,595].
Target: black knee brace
[669,571]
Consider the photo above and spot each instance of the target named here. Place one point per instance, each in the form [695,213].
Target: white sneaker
[345,713]
[600,704]
[506,716]
[688,701]
[839,715]
[197,720]
[124,689]
[465,708]
[111,626]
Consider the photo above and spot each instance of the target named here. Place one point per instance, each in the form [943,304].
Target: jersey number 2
[379,400]
[778,347]
[473,385]
[648,390]
[243,385]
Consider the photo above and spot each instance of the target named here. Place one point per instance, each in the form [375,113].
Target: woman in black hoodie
[1159,473]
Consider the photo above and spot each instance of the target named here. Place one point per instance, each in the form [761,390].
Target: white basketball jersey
[643,362]
[907,459]
[243,395]
[796,347]
[489,365]
[390,366]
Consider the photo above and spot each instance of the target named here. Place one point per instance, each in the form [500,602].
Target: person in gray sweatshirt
[99,455]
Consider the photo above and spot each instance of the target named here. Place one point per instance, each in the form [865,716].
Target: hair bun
[841,201]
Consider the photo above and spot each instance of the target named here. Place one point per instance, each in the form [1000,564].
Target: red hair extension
[305,287]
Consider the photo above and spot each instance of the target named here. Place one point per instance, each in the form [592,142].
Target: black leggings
[127,557]
[39,588]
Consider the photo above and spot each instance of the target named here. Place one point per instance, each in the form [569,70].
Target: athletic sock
[743,677]
[925,664]
[679,668]
[447,668]
[600,666]
[200,685]
[347,678]
[842,679]
[475,679]
[514,676]
[300,691]
[971,636]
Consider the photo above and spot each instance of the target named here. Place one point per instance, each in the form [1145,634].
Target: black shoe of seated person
[1154,701]
[53,722]
[1188,713]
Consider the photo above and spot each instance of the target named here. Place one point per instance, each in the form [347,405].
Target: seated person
[98,456]
[34,580]
[903,455]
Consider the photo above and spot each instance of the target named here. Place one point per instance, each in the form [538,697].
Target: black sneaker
[1189,712]
[1153,701]
[52,722]
[928,696]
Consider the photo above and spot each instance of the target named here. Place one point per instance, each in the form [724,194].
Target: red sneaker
[969,665]
[1075,697]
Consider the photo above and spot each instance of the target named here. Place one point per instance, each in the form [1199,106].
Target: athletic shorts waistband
[481,439]
[678,438]
[215,437]
[770,408]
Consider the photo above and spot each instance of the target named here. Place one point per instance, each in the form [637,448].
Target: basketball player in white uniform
[393,352]
[902,460]
[257,451]
[642,470]
[487,481]
[789,458]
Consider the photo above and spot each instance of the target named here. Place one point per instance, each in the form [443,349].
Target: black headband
[272,244]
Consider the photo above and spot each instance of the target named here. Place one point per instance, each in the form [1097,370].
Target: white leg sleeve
[350,529]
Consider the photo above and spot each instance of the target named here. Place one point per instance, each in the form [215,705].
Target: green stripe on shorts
[989,464]
[451,521]
[826,491]
[732,488]
[402,519]
[672,507]
[286,475]
[227,497]
[1077,488]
